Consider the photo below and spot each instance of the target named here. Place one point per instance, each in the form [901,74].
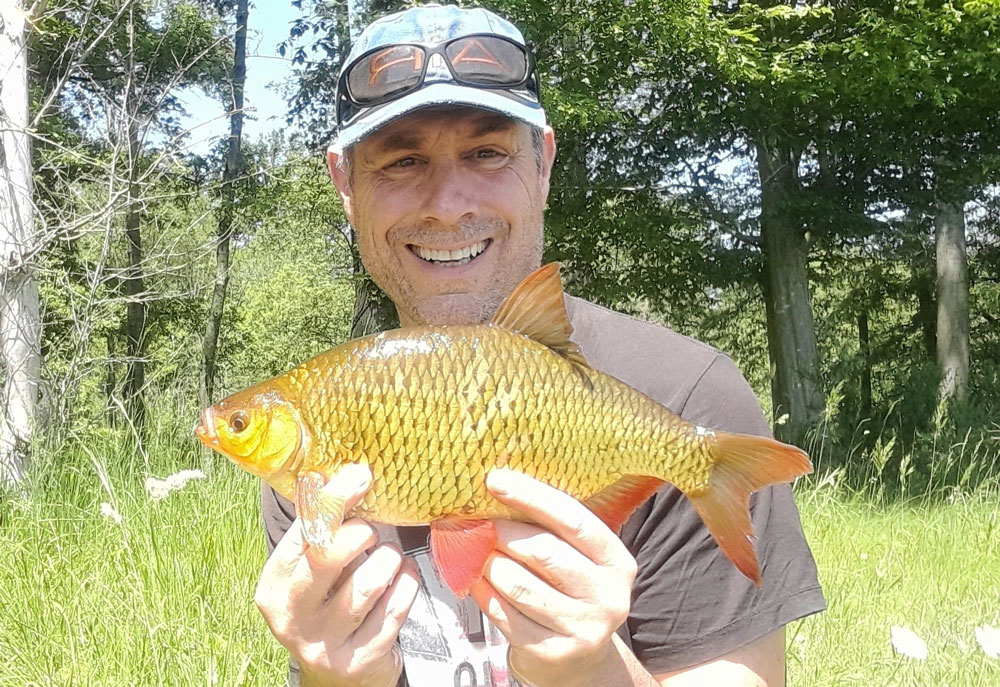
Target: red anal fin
[459,549]
[743,465]
[613,504]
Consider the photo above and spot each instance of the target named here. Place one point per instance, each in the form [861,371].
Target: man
[442,160]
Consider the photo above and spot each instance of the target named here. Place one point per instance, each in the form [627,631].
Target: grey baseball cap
[431,25]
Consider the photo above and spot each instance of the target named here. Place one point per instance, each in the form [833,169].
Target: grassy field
[165,595]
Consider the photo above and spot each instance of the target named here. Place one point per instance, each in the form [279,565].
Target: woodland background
[810,187]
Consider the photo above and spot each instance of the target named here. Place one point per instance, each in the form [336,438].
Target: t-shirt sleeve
[690,603]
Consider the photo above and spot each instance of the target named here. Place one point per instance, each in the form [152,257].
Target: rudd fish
[431,410]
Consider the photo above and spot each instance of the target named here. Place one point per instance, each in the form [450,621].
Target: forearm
[620,668]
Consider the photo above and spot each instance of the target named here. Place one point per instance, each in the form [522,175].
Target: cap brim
[440,94]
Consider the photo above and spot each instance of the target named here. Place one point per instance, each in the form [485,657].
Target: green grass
[933,567]
[165,597]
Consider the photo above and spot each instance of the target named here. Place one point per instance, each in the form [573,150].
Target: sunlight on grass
[931,568]
[165,596]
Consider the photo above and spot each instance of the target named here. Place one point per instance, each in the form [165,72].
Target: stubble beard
[459,308]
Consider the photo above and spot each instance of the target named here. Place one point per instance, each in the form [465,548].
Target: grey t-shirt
[689,604]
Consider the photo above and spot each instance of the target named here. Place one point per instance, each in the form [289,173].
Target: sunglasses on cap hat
[390,72]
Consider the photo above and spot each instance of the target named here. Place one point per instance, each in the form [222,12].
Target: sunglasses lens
[488,61]
[386,72]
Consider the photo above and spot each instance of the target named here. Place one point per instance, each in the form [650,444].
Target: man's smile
[450,256]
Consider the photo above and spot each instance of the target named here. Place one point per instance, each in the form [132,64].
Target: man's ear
[548,157]
[340,174]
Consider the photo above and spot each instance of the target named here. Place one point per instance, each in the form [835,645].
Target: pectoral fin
[459,549]
[321,513]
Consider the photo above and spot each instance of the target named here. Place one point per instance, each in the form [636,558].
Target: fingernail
[356,473]
[498,481]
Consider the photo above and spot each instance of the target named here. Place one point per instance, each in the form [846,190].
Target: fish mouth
[451,257]
[204,429]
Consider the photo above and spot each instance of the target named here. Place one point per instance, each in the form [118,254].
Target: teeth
[457,257]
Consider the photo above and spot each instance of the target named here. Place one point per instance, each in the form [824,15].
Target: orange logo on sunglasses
[387,58]
[472,51]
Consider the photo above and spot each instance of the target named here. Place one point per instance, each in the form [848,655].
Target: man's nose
[450,194]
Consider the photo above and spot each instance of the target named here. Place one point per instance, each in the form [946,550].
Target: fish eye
[239,421]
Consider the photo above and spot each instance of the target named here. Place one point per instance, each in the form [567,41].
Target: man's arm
[758,664]
[559,592]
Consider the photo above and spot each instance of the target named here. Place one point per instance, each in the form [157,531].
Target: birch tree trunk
[135,316]
[791,330]
[225,229]
[20,323]
[952,301]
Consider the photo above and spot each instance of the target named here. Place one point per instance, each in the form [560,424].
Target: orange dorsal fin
[536,309]
[460,549]
[743,464]
[614,503]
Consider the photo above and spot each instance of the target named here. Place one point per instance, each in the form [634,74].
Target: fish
[431,410]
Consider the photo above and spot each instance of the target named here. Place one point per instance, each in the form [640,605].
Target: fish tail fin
[743,464]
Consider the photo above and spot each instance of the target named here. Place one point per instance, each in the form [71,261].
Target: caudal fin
[743,464]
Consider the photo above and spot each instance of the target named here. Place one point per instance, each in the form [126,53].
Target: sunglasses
[390,72]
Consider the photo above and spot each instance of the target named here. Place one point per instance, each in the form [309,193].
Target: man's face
[447,207]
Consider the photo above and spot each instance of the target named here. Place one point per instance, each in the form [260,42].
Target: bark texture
[20,323]
[135,316]
[373,310]
[952,301]
[234,166]
[791,330]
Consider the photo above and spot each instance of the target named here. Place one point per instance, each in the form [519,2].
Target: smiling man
[442,159]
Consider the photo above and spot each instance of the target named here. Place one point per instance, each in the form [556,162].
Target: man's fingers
[314,576]
[380,629]
[559,512]
[548,556]
[291,583]
[532,597]
[353,600]
[514,625]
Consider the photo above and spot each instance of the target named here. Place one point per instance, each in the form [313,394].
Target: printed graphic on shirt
[445,641]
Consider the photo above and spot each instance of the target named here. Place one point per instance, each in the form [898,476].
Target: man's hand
[558,591]
[335,608]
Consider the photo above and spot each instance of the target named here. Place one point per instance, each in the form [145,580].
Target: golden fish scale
[432,410]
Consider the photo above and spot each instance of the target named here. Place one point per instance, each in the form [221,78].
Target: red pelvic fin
[460,549]
[613,504]
[743,464]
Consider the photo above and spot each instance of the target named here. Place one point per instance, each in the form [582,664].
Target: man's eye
[403,163]
[487,153]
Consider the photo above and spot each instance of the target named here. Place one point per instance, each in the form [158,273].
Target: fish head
[259,430]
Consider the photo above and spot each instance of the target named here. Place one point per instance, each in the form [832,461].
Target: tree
[120,66]
[20,323]
[233,169]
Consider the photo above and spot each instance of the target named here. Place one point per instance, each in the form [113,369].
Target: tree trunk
[373,310]
[135,320]
[791,332]
[952,301]
[864,344]
[20,322]
[227,212]
[925,318]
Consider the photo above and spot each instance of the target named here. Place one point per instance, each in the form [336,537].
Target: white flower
[108,511]
[905,642]
[159,488]
[989,639]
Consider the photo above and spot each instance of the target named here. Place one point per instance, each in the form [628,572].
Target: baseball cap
[432,25]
